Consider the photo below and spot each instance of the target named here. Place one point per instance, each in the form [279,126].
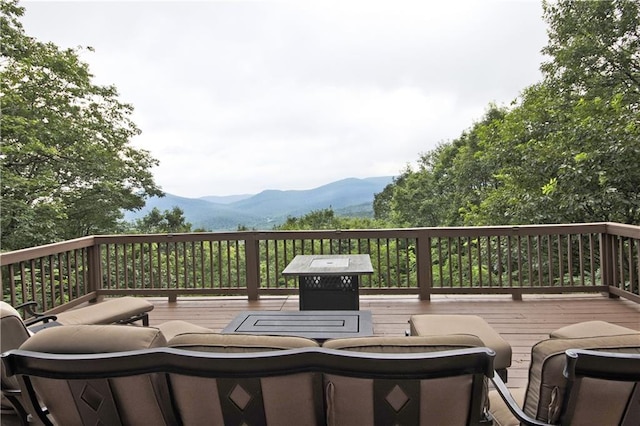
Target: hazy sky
[237,97]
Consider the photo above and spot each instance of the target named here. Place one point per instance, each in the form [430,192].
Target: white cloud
[237,97]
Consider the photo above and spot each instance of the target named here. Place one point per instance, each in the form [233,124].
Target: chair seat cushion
[499,410]
[590,329]
[107,312]
[438,325]
[171,329]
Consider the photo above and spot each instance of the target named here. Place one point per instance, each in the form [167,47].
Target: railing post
[251,251]
[607,262]
[423,265]
[94,255]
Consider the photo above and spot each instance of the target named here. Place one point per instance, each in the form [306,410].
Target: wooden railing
[598,257]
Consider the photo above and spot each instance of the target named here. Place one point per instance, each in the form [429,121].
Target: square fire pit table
[318,325]
[329,281]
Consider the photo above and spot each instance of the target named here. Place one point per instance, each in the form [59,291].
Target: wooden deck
[521,323]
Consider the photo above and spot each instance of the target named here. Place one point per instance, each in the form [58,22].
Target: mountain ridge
[270,207]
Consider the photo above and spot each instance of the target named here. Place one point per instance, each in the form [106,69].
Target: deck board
[521,323]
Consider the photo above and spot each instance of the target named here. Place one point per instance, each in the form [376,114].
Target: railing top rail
[435,232]
[631,231]
[467,231]
[172,238]
[16,256]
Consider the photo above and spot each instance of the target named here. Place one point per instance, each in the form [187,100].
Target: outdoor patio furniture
[122,310]
[329,281]
[149,384]
[236,343]
[588,373]
[590,329]
[602,389]
[14,331]
[442,325]
[171,329]
[319,325]
[545,397]
[404,344]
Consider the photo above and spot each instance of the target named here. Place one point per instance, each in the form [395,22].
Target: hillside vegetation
[566,151]
[348,197]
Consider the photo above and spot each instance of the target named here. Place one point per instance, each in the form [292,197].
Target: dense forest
[566,150]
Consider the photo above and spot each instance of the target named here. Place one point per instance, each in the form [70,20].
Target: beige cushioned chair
[141,399]
[302,386]
[13,333]
[542,399]
[604,388]
[441,325]
[286,398]
[436,403]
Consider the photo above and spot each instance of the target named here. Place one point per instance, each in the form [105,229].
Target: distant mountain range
[347,197]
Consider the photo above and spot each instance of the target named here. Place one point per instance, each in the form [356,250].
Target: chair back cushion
[436,401]
[425,388]
[13,333]
[133,399]
[237,343]
[12,330]
[604,388]
[94,339]
[547,384]
[285,399]
[404,344]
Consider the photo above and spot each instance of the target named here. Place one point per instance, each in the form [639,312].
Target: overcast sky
[238,97]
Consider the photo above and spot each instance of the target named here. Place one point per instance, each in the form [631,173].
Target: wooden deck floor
[521,323]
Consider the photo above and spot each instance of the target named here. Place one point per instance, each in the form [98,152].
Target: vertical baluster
[581,238]
[489,261]
[539,255]
[32,276]
[469,263]
[479,253]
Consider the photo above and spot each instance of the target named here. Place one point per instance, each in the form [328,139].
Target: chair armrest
[41,318]
[29,308]
[35,316]
[512,404]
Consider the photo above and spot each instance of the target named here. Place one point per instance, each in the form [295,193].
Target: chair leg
[142,317]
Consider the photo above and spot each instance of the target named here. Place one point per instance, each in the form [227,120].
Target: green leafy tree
[449,181]
[67,165]
[412,198]
[168,221]
[567,150]
[594,48]
[564,163]
[327,219]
